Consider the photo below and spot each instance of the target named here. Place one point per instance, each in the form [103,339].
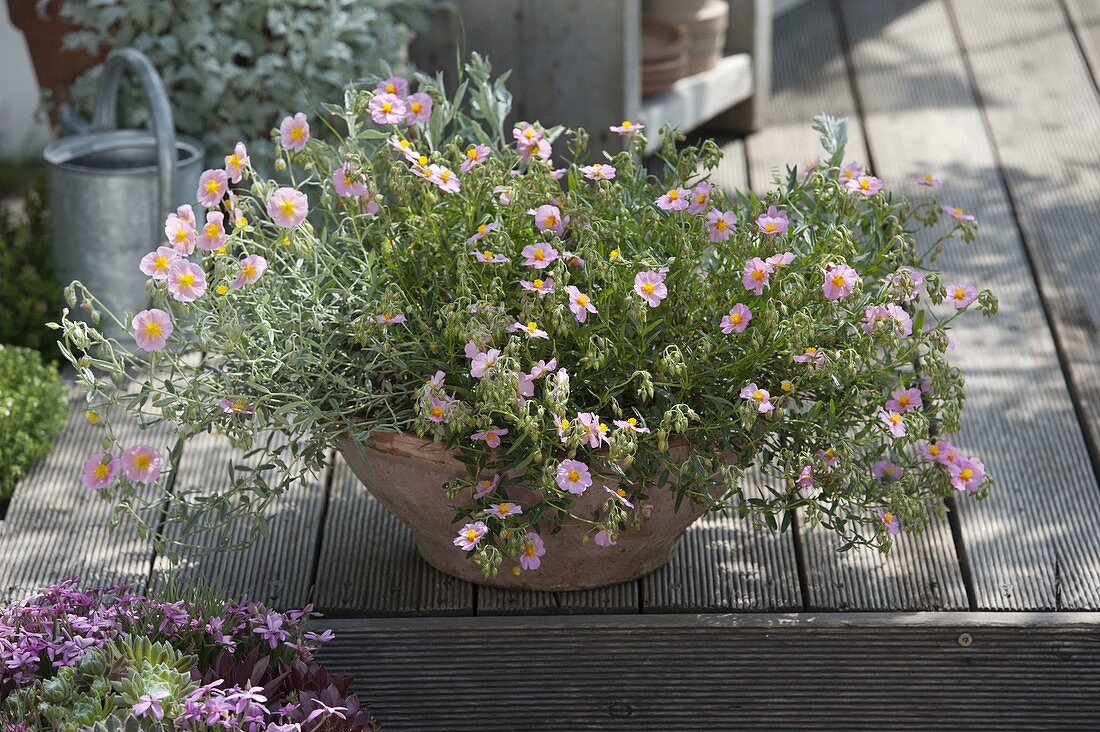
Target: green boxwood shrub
[32,409]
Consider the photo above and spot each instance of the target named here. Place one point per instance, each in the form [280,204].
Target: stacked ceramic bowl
[705,21]
[664,55]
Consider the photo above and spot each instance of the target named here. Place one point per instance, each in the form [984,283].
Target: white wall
[22,133]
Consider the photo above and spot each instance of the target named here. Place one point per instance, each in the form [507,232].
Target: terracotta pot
[407,474]
[55,69]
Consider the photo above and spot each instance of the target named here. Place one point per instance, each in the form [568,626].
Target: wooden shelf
[695,99]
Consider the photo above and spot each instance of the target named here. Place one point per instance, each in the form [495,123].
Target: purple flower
[773,223]
[271,629]
[148,705]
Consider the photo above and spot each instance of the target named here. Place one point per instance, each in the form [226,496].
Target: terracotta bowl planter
[407,474]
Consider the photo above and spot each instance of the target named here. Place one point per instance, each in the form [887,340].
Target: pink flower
[548,218]
[504,195]
[573,476]
[526,134]
[475,155]
[99,471]
[443,177]
[760,396]
[542,287]
[470,534]
[212,187]
[595,431]
[650,286]
[156,264]
[850,171]
[396,85]
[603,538]
[700,198]
[486,486]
[530,553]
[540,149]
[773,223]
[927,180]
[941,451]
[780,260]
[627,127]
[872,316]
[348,182]
[142,463]
[439,410]
[865,185]
[572,259]
[840,280]
[491,436]
[418,108]
[674,199]
[504,509]
[186,281]
[894,422]
[619,494]
[481,231]
[886,470]
[287,207]
[599,171]
[811,165]
[829,457]
[720,225]
[252,267]
[811,356]
[294,132]
[152,329]
[579,303]
[388,319]
[903,324]
[957,213]
[403,146]
[966,473]
[387,109]
[148,705]
[186,214]
[488,256]
[539,256]
[889,520]
[904,400]
[906,282]
[630,424]
[961,295]
[542,368]
[235,406]
[530,329]
[236,162]
[181,232]
[805,481]
[737,319]
[213,232]
[757,275]
[482,362]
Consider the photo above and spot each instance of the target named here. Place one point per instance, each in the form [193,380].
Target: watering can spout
[71,122]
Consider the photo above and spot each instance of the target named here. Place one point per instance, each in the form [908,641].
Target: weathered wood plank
[276,568]
[721,672]
[56,528]
[620,598]
[811,76]
[1030,546]
[369,564]
[1084,15]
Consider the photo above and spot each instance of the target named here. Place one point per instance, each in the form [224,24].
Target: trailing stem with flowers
[562,326]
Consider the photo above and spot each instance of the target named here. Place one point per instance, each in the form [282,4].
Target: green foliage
[28,294]
[312,351]
[233,68]
[32,410]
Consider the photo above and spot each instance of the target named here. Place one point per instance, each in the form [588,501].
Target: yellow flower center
[504,507]
[887,517]
[960,293]
[632,422]
[436,411]
[187,280]
[540,255]
[529,133]
[161,263]
[444,175]
[771,226]
[416,107]
[405,144]
[391,88]
[348,182]
[838,280]
[211,186]
[627,124]
[153,329]
[603,427]
[620,493]
[234,161]
[811,351]
[582,300]
[574,475]
[487,255]
[529,549]
[648,288]
[759,275]
[966,473]
[181,235]
[471,535]
[287,207]
[221,289]
[212,230]
[673,194]
[736,318]
[297,133]
[895,418]
[701,198]
[758,395]
[927,177]
[721,225]
[249,270]
[101,471]
[482,229]
[864,184]
[471,153]
[903,400]
[142,461]
[958,212]
[387,107]
[537,284]
[565,424]
[551,221]
[238,405]
[933,451]
[423,160]
[614,254]
[786,385]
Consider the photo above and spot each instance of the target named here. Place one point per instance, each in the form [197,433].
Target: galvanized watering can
[111,189]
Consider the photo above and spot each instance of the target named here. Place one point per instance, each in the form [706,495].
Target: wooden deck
[1001,98]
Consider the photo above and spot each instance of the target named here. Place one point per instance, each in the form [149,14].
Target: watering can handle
[104,116]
